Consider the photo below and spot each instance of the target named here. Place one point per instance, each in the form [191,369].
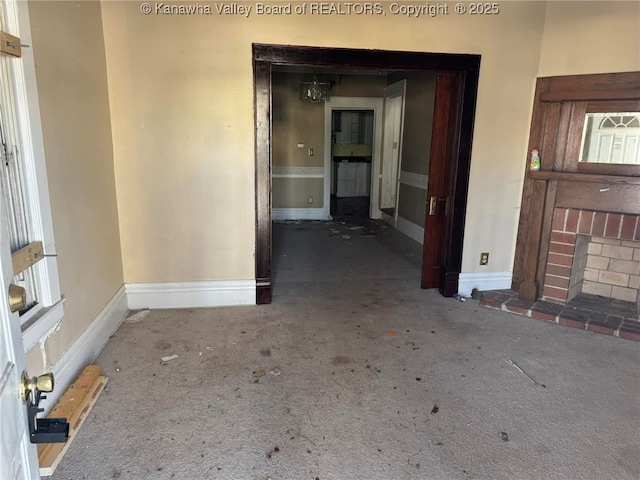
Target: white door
[392,143]
[18,458]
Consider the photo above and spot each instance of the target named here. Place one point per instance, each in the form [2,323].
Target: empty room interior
[298,240]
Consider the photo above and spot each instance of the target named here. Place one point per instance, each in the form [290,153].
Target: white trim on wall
[191,294]
[281,214]
[416,180]
[410,229]
[87,346]
[298,172]
[483,281]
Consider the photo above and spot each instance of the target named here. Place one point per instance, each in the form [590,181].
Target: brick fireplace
[577,259]
[593,252]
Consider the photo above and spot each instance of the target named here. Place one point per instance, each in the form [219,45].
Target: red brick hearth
[588,313]
[567,225]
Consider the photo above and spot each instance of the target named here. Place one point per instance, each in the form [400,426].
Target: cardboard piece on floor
[74,405]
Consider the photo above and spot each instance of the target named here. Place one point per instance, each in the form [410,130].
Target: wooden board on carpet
[74,405]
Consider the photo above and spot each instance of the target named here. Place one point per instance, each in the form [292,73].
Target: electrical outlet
[311,152]
[484,258]
[310,200]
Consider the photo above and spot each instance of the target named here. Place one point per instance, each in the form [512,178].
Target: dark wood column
[262,106]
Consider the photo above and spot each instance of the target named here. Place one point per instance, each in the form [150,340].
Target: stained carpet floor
[355,373]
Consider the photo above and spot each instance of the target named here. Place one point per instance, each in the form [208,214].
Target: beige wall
[295,122]
[412,204]
[590,37]
[182,102]
[295,192]
[68,47]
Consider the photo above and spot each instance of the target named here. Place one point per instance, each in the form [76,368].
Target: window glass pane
[611,138]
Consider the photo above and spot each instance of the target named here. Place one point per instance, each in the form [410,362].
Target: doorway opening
[455,98]
[351,158]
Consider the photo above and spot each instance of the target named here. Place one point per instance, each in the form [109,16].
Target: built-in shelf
[582,177]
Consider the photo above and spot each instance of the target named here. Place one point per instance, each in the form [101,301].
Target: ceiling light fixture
[315,90]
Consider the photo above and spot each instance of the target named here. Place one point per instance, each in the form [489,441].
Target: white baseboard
[279,214]
[483,281]
[191,294]
[411,230]
[86,347]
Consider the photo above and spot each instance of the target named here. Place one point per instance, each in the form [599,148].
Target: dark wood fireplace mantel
[561,104]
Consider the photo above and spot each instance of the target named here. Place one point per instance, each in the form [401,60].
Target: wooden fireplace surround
[560,106]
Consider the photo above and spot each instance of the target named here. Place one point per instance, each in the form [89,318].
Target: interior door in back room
[392,146]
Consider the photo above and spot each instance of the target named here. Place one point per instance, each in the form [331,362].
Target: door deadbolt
[17,298]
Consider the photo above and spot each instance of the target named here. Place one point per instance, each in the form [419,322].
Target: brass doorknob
[44,382]
[29,386]
[17,298]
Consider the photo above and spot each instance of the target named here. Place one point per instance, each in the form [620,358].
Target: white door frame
[354,103]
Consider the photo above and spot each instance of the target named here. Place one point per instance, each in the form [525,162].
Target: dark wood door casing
[465,66]
[262,108]
[560,106]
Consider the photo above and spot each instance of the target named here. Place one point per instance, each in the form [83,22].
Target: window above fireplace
[611,138]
